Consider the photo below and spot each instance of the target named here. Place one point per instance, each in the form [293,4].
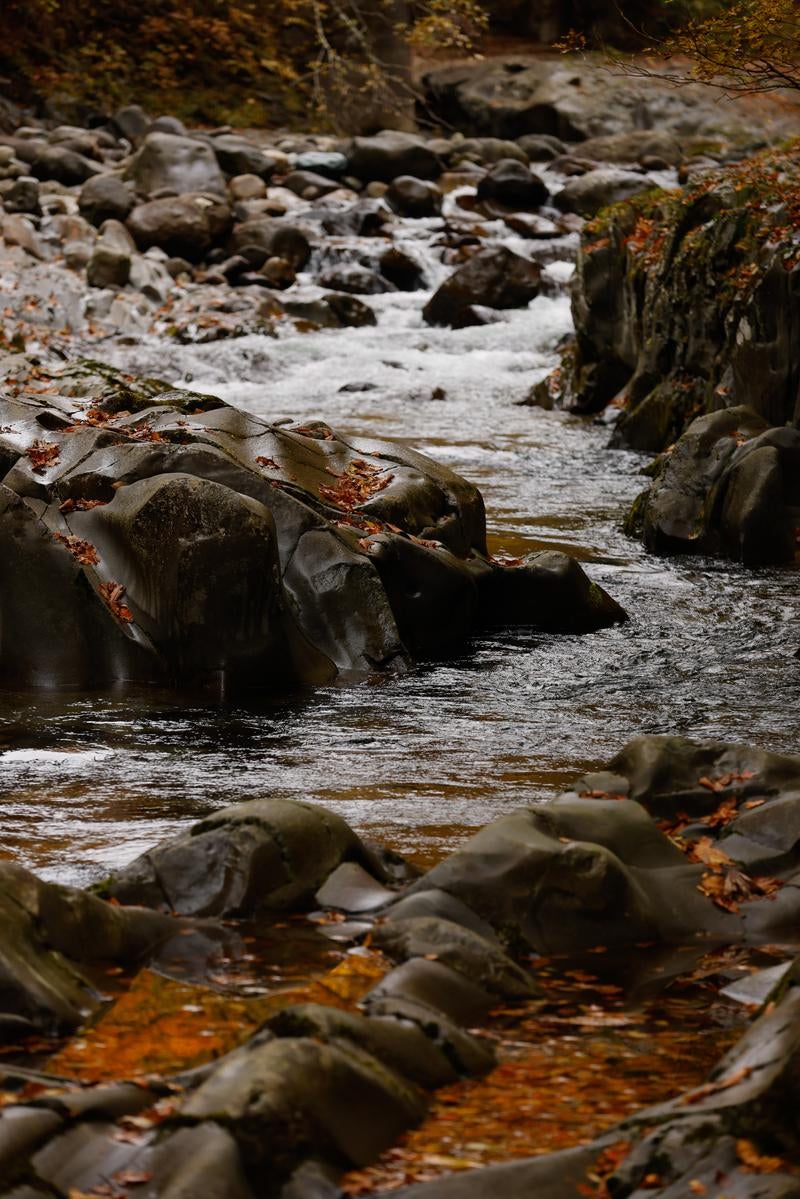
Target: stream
[91,780]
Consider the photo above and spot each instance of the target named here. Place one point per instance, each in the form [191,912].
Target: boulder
[390,154]
[63,166]
[170,538]
[183,226]
[548,590]
[333,311]
[731,485]
[105,198]
[132,122]
[514,185]
[238,156]
[414,198]
[354,280]
[309,185]
[110,261]
[683,305]
[264,855]
[272,238]
[278,1097]
[588,194]
[22,196]
[540,147]
[181,164]
[637,145]
[49,933]
[495,277]
[330,163]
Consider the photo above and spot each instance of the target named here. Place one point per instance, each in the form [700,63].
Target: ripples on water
[89,782]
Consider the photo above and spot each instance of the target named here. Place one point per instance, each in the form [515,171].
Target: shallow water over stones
[89,781]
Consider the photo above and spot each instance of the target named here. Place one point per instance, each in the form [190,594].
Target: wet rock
[390,154]
[401,270]
[105,198]
[292,525]
[400,1043]
[334,311]
[247,187]
[365,218]
[550,590]
[132,122]
[458,948]
[280,1096]
[414,198]
[263,855]
[731,485]
[683,305]
[436,987]
[48,931]
[350,888]
[310,185]
[18,231]
[512,183]
[495,277]
[555,1176]
[484,150]
[182,164]
[573,99]
[22,1130]
[110,261]
[181,226]
[588,194]
[355,280]
[274,239]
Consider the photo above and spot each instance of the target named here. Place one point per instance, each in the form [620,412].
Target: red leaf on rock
[111,594]
[43,454]
[84,551]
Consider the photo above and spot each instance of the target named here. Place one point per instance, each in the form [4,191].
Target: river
[89,781]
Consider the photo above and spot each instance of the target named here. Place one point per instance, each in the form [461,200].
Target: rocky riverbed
[312,361]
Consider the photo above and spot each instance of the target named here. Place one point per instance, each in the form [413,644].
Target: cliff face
[689,302]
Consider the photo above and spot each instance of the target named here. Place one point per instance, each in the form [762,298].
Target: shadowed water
[418,760]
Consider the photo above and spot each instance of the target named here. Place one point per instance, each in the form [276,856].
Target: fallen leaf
[43,454]
[111,593]
[83,551]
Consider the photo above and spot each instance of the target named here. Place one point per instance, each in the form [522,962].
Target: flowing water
[89,781]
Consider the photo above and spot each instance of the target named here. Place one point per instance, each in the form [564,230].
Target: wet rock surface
[269,1117]
[174,537]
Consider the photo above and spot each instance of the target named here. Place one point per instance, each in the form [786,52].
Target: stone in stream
[494,277]
[105,198]
[182,226]
[49,933]
[588,194]
[264,855]
[182,164]
[594,868]
[414,198]
[731,485]
[121,502]
[390,154]
[513,184]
